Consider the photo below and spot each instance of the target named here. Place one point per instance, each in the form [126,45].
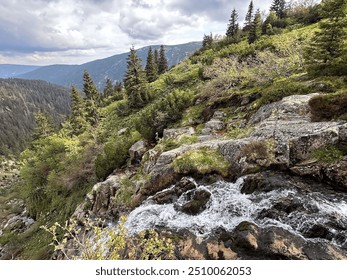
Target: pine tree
[156,57]
[249,17]
[78,119]
[151,67]
[256,28]
[207,41]
[233,27]
[162,62]
[89,87]
[135,81]
[92,98]
[108,90]
[279,6]
[328,51]
[44,126]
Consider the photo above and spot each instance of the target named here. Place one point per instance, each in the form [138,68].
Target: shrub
[91,242]
[115,154]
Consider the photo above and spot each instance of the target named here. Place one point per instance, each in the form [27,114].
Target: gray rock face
[177,133]
[215,124]
[137,151]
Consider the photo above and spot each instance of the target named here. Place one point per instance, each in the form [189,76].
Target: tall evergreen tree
[151,67]
[89,87]
[327,53]
[207,41]
[278,6]
[249,17]
[156,57]
[162,62]
[135,81]
[44,126]
[233,26]
[108,90]
[256,28]
[92,98]
[77,120]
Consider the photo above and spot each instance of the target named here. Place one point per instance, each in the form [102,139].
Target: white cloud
[76,31]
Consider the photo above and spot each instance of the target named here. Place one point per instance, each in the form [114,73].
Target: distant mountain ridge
[112,67]
[13,70]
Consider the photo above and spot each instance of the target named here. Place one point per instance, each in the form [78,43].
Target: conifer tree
[156,57]
[44,126]
[151,67]
[327,53]
[92,98]
[279,6]
[77,120]
[256,28]
[162,62]
[249,17]
[135,81]
[207,41]
[233,26]
[89,87]
[108,90]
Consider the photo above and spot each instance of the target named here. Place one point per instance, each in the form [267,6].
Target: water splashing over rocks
[297,207]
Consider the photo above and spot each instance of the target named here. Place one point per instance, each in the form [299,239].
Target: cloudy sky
[42,32]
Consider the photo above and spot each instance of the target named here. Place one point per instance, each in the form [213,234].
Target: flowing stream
[227,207]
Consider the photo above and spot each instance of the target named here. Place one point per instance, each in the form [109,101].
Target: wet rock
[171,195]
[137,150]
[319,231]
[264,182]
[197,202]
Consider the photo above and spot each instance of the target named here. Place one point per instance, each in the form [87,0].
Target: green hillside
[232,77]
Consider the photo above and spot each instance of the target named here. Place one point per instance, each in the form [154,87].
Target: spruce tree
[327,53]
[77,120]
[89,87]
[256,28]
[207,41]
[233,26]
[108,90]
[135,81]
[44,126]
[279,6]
[151,67]
[92,98]
[249,17]
[162,63]
[156,57]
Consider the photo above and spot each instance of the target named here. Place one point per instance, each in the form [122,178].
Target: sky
[44,32]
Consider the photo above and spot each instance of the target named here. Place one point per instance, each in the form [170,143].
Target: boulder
[137,150]
[177,133]
[196,204]
[171,195]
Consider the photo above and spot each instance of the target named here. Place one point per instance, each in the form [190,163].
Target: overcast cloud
[42,32]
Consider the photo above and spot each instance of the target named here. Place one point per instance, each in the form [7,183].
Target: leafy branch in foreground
[92,242]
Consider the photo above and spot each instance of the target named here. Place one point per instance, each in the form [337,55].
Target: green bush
[115,154]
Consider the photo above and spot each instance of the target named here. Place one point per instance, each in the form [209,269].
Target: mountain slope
[13,70]
[19,99]
[112,67]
